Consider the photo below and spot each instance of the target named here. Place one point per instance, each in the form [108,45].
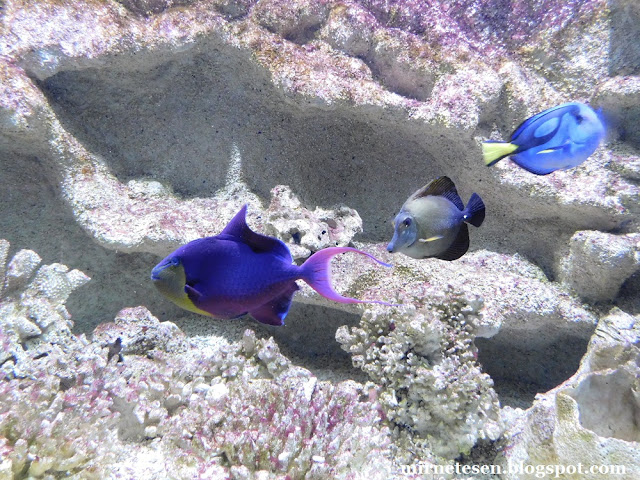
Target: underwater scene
[320,239]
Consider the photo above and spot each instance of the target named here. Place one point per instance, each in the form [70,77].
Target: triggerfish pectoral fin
[188,299]
[274,311]
[493,151]
[316,271]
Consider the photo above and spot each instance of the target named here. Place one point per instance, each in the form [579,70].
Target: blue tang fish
[240,271]
[559,138]
[433,222]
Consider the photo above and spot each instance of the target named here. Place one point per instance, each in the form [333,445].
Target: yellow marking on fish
[430,239]
[185,302]
[171,283]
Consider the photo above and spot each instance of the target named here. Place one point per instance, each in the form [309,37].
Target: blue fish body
[556,139]
[240,271]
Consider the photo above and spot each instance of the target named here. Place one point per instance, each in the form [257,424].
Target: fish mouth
[157,272]
[393,247]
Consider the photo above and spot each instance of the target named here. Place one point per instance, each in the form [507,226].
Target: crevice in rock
[152,7]
[36,217]
[609,404]
[401,79]
[523,363]
[308,340]
[628,299]
[625,25]
[176,117]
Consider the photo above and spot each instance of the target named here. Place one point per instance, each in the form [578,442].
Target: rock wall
[129,128]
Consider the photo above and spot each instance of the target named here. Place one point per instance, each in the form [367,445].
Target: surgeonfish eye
[579,119]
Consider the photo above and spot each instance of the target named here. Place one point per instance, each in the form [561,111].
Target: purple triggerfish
[559,138]
[240,271]
[433,222]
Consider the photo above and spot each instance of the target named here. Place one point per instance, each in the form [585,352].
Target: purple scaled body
[240,271]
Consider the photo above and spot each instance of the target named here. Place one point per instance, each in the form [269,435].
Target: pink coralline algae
[292,426]
[484,24]
[141,389]
[222,411]
[144,124]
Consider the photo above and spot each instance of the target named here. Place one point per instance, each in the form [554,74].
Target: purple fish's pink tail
[316,271]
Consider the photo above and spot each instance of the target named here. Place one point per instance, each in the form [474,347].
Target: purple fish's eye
[407,222]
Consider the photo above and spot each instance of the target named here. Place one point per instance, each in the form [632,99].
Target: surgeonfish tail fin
[474,213]
[493,151]
[316,271]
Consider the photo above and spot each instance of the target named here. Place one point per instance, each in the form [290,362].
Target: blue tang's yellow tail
[492,152]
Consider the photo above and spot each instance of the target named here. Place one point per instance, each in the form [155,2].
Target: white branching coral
[140,389]
[425,360]
[32,305]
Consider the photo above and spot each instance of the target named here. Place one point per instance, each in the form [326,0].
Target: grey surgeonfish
[433,222]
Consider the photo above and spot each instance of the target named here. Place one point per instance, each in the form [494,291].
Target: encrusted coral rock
[32,307]
[20,269]
[591,419]
[172,408]
[295,21]
[138,332]
[620,97]
[425,360]
[299,427]
[51,427]
[598,263]
[306,231]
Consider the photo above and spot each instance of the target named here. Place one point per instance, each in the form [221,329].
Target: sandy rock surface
[129,128]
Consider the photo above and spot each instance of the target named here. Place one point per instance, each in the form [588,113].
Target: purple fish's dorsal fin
[238,230]
[238,224]
[440,187]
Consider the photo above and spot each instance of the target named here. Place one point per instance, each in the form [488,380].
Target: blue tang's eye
[579,119]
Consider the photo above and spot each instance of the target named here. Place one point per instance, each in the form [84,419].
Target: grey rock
[591,419]
[599,263]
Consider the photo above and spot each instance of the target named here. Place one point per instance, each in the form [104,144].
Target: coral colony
[130,129]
